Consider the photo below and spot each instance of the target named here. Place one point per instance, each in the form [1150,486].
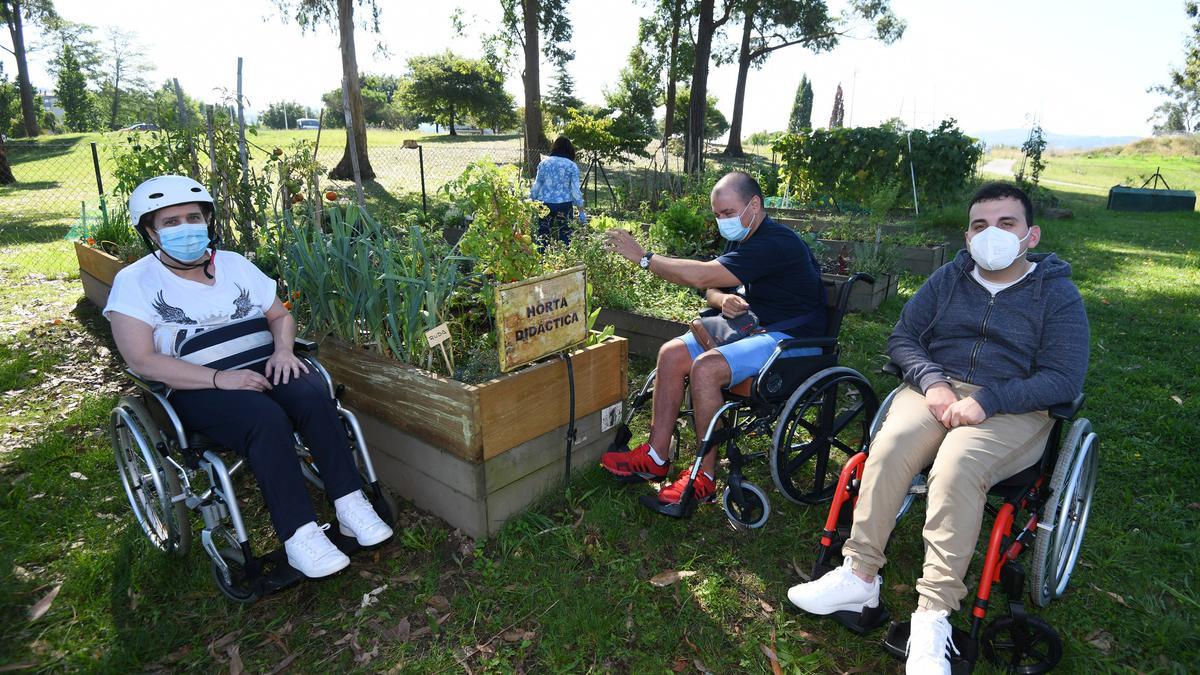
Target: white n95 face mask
[996,248]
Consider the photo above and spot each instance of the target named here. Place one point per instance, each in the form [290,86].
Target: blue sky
[1081,67]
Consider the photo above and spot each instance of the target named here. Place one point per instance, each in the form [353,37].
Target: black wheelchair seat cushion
[1012,487]
[198,442]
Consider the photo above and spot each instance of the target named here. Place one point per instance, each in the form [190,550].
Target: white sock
[655,456]
[344,501]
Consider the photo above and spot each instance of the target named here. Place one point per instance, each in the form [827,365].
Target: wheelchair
[815,411]
[167,472]
[1045,506]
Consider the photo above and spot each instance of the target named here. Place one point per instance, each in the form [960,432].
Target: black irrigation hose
[571,416]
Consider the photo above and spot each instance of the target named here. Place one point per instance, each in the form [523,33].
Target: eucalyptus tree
[771,25]
[311,14]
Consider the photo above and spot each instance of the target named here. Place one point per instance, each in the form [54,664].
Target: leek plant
[370,285]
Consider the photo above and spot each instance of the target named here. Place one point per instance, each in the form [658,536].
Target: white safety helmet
[163,191]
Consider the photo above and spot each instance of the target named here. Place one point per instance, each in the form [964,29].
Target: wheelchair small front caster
[1024,645]
[751,511]
[241,586]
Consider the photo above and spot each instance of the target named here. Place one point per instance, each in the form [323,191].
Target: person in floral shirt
[557,186]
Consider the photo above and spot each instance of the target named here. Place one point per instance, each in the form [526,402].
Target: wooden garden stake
[187,123]
[438,336]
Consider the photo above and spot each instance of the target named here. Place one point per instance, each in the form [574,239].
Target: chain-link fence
[59,183]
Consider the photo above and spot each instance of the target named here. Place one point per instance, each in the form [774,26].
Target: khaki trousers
[966,461]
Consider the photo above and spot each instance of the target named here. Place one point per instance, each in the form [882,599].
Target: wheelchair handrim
[1075,507]
[813,393]
[159,531]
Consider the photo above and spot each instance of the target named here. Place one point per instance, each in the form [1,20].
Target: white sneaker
[311,552]
[839,590]
[357,518]
[930,643]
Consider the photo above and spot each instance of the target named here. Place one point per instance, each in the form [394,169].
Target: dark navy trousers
[259,425]
[556,225]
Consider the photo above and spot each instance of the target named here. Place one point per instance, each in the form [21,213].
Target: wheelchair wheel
[821,426]
[238,587]
[751,515]
[1028,645]
[150,484]
[1071,487]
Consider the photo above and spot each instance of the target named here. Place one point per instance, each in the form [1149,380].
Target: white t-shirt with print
[178,308]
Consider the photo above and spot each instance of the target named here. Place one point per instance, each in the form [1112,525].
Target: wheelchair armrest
[1066,411]
[152,386]
[305,346]
[892,368]
[797,343]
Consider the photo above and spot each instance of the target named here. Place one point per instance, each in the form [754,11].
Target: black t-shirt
[781,278]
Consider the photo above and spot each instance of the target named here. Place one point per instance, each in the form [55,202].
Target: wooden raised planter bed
[863,297]
[923,260]
[646,334]
[96,272]
[476,455]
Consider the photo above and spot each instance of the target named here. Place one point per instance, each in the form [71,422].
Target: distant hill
[1015,137]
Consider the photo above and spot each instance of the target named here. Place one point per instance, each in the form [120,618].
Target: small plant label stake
[438,336]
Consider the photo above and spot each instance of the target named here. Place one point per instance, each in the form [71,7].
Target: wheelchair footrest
[675,510]
[347,545]
[861,623]
[865,621]
[896,644]
[277,574]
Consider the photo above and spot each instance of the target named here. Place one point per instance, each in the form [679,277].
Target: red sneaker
[704,488]
[634,462]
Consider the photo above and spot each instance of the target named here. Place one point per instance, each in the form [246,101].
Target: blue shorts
[747,356]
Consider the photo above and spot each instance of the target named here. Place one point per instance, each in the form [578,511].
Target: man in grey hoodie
[986,346]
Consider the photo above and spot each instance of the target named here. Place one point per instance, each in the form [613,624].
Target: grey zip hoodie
[1027,346]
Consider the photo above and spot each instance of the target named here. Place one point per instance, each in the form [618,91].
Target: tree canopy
[1180,109]
[801,117]
[446,88]
[715,122]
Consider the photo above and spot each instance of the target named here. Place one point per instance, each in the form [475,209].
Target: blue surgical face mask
[731,228]
[186,242]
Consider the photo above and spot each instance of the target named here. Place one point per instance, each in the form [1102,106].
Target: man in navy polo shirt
[766,268]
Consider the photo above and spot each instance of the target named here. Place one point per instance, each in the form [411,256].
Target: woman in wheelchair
[209,326]
[986,346]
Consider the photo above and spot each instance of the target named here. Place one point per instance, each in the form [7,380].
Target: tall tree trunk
[116,94]
[452,130]
[734,147]
[672,75]
[358,134]
[535,137]
[17,33]
[6,174]
[693,149]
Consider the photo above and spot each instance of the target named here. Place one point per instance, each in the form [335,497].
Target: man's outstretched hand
[623,244]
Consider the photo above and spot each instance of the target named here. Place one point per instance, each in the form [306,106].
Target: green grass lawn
[1133,164]
[565,588]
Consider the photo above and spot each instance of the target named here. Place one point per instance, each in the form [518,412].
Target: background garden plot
[57,182]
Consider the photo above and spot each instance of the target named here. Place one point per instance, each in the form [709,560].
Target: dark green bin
[1122,198]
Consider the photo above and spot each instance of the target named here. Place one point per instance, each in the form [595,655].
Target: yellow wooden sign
[540,316]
